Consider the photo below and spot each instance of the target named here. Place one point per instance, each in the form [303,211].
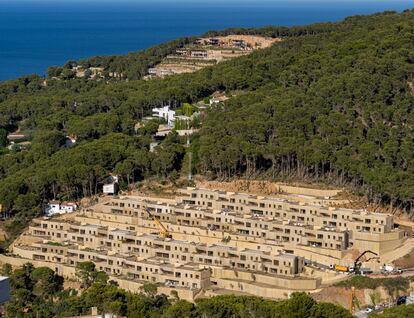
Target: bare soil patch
[407,261]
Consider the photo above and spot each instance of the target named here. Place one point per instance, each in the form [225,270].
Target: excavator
[163,230]
[357,263]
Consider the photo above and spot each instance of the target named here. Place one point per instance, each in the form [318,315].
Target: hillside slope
[335,105]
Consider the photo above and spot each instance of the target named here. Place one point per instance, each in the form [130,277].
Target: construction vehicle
[388,269]
[340,268]
[357,263]
[163,230]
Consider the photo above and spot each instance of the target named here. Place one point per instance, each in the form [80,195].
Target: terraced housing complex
[222,242]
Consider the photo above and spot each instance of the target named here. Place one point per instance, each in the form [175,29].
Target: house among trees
[56,207]
[218,97]
[166,113]
[15,136]
[163,131]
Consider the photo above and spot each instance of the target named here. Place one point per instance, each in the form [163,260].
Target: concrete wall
[250,288]
[63,270]
[135,287]
[378,242]
[259,281]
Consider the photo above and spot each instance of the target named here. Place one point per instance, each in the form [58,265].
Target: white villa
[166,113]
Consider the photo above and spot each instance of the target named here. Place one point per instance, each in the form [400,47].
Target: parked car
[401,300]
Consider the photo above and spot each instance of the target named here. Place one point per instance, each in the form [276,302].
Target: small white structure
[4,289]
[113,179]
[166,113]
[70,141]
[111,187]
[11,146]
[55,207]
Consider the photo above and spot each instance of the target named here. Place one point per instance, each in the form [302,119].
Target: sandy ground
[406,261]
[337,295]
[219,53]
[254,41]
[260,187]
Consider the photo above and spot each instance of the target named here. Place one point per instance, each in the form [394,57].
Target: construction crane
[357,263]
[163,230]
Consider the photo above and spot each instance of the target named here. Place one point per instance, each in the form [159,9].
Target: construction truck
[340,268]
[163,230]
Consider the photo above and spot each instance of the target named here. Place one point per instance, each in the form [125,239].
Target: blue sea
[35,34]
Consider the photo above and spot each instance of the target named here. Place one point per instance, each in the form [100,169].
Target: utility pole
[190,155]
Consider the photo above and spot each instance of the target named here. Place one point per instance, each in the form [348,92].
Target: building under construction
[207,242]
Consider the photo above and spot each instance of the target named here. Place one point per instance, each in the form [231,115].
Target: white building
[111,187]
[166,113]
[4,289]
[55,207]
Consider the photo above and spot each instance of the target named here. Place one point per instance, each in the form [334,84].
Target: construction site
[205,242]
[208,51]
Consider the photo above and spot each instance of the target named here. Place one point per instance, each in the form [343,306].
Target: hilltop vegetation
[334,105]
